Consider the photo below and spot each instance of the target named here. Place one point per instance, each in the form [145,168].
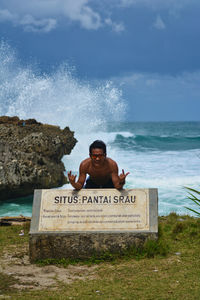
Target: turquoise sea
[163,155]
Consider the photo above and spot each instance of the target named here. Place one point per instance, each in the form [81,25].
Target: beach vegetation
[168,268]
[194,196]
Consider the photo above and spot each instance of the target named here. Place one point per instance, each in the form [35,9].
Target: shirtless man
[102,170]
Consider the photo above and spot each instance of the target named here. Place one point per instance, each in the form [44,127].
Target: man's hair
[98,145]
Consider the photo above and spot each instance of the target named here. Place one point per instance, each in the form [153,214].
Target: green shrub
[178,228]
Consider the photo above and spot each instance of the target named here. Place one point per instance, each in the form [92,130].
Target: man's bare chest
[104,171]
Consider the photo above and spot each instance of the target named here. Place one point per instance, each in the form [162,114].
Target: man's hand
[72,178]
[80,182]
[122,176]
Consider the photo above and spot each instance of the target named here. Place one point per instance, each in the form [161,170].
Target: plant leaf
[193,190]
[194,199]
[196,212]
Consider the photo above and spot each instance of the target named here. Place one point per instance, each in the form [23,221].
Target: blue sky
[150,49]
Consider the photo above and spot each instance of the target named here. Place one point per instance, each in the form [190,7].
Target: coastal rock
[30,156]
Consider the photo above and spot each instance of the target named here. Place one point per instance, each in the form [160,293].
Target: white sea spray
[59,98]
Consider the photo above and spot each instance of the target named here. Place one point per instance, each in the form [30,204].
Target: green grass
[167,269]
[9,235]
[5,283]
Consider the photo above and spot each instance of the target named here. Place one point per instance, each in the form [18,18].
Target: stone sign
[91,221]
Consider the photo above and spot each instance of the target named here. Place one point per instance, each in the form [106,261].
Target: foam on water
[58,98]
[169,171]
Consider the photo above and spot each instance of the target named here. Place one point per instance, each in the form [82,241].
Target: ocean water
[163,155]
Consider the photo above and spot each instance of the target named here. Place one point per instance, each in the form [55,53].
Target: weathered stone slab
[69,223]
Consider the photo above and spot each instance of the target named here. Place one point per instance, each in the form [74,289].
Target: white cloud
[44,15]
[154,96]
[131,79]
[28,21]
[5,15]
[159,24]
[87,17]
[32,24]
[117,27]
[183,85]
[152,82]
[127,2]
[157,3]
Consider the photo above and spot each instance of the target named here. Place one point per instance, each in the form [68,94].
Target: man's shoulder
[85,163]
[111,162]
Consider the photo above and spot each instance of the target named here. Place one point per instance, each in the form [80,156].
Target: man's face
[97,156]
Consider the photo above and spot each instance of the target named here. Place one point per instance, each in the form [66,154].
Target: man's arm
[118,181]
[82,176]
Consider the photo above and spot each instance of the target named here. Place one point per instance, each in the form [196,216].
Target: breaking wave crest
[58,98]
[161,143]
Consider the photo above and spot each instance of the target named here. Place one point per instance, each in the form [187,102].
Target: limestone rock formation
[30,156]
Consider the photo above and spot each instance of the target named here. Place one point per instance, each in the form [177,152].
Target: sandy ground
[15,262]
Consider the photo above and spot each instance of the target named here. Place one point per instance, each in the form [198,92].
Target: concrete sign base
[79,224]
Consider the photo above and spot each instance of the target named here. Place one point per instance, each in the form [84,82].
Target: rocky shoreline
[30,156]
[18,220]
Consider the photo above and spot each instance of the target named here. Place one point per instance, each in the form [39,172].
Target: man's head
[98,152]
[98,145]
